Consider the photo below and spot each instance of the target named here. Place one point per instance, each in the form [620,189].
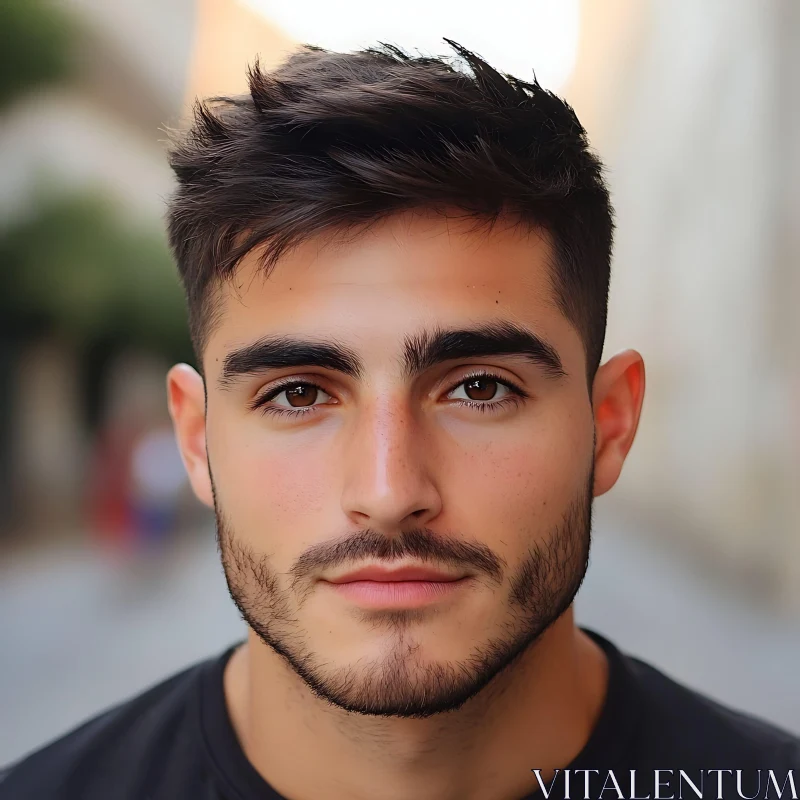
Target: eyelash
[515,396]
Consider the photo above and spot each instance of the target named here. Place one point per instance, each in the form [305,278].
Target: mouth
[404,587]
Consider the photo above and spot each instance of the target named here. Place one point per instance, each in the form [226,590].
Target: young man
[397,276]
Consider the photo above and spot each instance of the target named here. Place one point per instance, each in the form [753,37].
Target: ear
[187,407]
[617,395]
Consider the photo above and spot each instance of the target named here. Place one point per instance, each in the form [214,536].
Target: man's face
[348,427]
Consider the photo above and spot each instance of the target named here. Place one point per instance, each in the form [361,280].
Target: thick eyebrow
[501,338]
[421,352]
[280,352]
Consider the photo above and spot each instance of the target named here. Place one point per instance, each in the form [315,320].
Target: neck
[538,713]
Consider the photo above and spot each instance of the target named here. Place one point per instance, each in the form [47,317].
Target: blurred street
[80,632]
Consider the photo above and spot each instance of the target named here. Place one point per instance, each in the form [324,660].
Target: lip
[387,575]
[380,588]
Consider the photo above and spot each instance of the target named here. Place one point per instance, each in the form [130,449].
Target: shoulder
[695,729]
[113,751]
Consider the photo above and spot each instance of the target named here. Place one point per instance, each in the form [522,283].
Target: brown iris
[480,388]
[302,395]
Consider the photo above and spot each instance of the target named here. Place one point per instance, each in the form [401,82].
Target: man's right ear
[187,407]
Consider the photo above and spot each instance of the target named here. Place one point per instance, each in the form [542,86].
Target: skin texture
[462,697]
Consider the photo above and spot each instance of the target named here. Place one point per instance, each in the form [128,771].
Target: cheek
[514,488]
[273,488]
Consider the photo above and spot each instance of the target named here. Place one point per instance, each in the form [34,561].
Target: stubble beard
[401,683]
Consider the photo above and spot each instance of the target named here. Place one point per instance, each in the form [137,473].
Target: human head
[379,232]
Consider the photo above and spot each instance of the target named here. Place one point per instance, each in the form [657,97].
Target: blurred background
[109,578]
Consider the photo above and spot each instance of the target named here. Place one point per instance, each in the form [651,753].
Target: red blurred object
[109,490]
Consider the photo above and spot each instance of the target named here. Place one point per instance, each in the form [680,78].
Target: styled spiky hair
[335,140]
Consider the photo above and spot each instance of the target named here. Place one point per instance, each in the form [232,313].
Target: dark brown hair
[333,141]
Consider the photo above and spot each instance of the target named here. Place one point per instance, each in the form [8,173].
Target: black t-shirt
[175,741]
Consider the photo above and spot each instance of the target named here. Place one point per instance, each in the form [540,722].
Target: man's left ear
[617,396]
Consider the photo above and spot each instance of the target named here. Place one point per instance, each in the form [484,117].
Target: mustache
[420,543]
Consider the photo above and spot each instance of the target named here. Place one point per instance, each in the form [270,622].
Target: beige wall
[228,36]
[693,107]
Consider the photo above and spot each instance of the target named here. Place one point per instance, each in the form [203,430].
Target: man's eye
[295,396]
[481,389]
[487,393]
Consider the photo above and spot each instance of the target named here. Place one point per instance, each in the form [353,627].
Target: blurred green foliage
[75,267]
[36,41]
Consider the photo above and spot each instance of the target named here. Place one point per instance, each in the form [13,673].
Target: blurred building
[103,126]
[694,107]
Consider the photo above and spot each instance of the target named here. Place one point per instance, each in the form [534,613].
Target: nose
[388,485]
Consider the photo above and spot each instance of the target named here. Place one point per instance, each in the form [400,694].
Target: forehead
[410,272]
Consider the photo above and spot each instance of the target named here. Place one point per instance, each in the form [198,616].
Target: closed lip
[386,575]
